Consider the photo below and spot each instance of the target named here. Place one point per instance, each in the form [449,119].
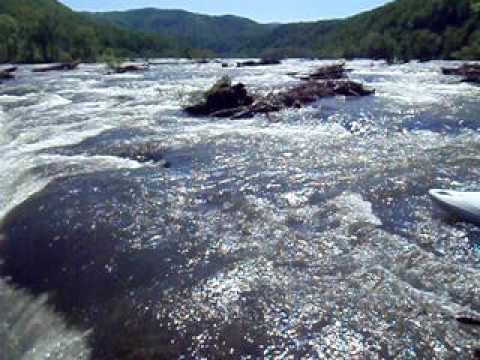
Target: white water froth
[29,330]
[49,101]
[352,208]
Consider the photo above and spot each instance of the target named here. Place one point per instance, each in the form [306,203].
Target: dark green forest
[33,31]
[401,30]
[221,35]
[47,31]
[407,29]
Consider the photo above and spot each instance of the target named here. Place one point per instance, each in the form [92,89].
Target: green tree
[85,44]
[471,51]
[377,46]
[199,53]
[476,5]
[8,37]
[453,39]
[425,45]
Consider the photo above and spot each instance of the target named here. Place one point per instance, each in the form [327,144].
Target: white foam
[30,330]
[352,208]
[8,99]
[46,102]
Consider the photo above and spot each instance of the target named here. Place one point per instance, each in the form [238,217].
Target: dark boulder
[262,62]
[222,99]
[329,72]
[472,77]
[468,320]
[8,73]
[59,67]
[462,70]
[122,69]
[311,91]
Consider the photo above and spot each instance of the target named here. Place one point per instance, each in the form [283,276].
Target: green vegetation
[110,59]
[46,31]
[222,35]
[400,30]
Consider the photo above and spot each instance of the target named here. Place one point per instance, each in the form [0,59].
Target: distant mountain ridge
[224,35]
[46,31]
[401,29]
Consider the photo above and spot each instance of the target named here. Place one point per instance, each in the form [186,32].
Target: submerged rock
[69,238]
[58,67]
[470,72]
[149,152]
[144,153]
[107,250]
[123,143]
[131,143]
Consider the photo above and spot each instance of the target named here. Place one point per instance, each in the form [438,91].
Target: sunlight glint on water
[322,237]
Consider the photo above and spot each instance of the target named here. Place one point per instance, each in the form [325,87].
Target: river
[142,233]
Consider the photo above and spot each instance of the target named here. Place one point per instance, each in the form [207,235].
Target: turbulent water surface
[306,235]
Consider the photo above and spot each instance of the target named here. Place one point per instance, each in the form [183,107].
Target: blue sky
[260,10]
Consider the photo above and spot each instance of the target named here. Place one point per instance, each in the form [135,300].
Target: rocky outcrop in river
[262,62]
[58,67]
[122,69]
[469,72]
[329,72]
[8,73]
[227,100]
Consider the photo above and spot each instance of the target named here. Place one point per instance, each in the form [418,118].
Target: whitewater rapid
[306,235]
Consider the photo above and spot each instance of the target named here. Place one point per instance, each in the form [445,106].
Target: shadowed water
[310,236]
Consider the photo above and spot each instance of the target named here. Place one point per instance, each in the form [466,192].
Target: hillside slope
[224,35]
[46,31]
[402,29]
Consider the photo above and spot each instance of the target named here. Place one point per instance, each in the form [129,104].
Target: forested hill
[46,31]
[402,29]
[223,35]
